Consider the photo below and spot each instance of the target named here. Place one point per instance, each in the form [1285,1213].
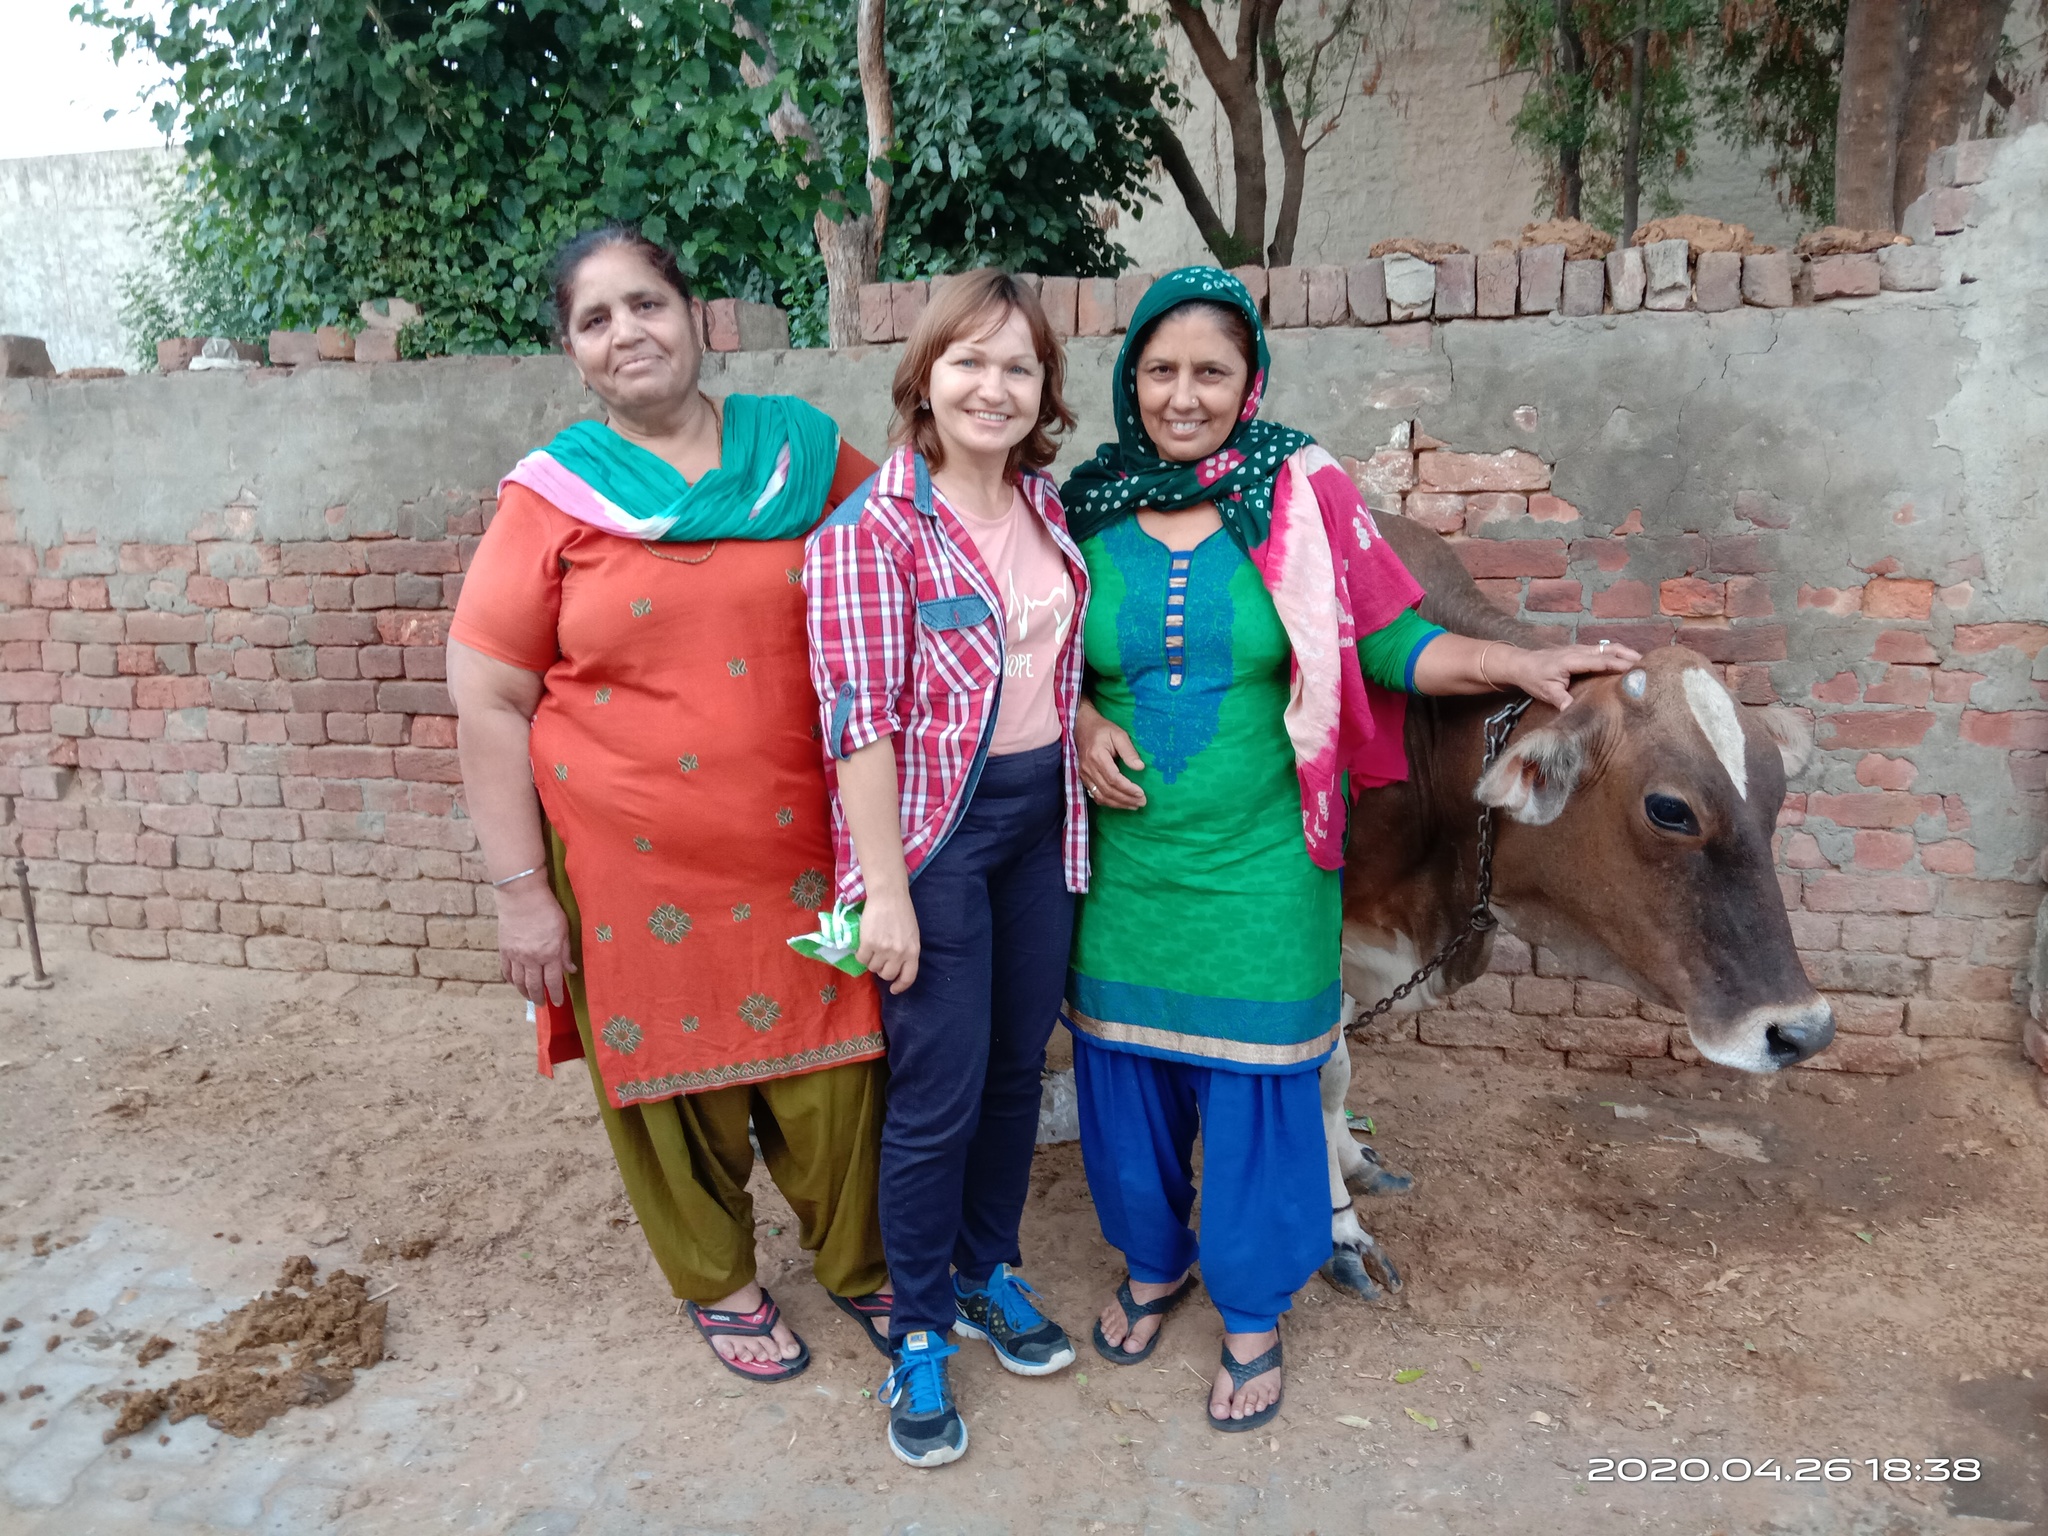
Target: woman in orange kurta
[652,685]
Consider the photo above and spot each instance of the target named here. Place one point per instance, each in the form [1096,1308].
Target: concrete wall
[224,736]
[68,234]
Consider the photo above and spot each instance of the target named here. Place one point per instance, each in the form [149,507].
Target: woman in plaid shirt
[945,603]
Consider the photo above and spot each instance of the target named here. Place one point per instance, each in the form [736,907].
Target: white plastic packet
[837,938]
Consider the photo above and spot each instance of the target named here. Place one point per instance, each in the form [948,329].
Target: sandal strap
[756,1324]
[1135,1309]
[1243,1371]
[874,1304]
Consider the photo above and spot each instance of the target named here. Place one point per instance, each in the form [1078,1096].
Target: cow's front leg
[1358,1166]
[1352,1248]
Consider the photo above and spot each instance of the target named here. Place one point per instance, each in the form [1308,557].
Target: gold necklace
[678,559]
[718,418]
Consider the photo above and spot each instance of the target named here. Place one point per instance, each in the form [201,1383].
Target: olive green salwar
[685,1161]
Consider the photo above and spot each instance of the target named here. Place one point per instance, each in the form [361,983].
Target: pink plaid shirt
[907,641]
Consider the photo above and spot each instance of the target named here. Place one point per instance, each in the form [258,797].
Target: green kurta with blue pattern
[1207,935]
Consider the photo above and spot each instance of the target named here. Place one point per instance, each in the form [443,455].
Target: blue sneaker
[925,1429]
[1005,1312]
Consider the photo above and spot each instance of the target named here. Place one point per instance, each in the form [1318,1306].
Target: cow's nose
[1807,1033]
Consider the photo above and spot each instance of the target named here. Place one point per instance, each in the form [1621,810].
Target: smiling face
[632,336]
[1192,380]
[985,390]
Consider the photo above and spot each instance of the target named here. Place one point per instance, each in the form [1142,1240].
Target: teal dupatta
[776,459]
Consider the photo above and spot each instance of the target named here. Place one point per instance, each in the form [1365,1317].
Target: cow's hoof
[1347,1272]
[1379,1260]
[1372,1177]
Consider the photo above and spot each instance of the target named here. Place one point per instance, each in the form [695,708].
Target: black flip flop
[864,1310]
[757,1324]
[1240,1373]
[1134,1310]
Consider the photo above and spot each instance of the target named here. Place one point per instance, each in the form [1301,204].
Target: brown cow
[1633,841]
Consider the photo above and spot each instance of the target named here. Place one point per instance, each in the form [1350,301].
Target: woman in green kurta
[1218,851]
[1248,644]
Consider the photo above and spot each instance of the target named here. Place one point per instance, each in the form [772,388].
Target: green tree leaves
[1774,83]
[1576,113]
[442,149]
[1767,73]
[1024,130]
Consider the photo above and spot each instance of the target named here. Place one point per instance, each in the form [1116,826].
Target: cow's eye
[1668,813]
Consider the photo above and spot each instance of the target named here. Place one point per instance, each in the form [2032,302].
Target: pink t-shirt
[1038,613]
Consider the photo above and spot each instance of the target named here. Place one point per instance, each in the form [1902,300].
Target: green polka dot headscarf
[1129,475]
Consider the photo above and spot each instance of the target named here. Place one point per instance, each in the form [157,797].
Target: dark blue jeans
[967,1040]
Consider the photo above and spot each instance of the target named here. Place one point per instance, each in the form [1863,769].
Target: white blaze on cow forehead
[1715,712]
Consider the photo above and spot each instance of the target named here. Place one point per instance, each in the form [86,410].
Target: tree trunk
[1293,152]
[852,251]
[1632,156]
[1951,70]
[1571,64]
[1234,79]
[1875,48]
[1215,234]
[852,245]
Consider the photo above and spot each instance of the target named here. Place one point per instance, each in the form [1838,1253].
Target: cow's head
[1637,845]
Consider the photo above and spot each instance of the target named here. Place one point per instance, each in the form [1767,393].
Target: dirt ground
[1715,1271]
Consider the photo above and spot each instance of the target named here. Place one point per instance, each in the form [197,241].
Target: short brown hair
[958,307]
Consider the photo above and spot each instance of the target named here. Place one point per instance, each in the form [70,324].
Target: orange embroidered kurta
[676,753]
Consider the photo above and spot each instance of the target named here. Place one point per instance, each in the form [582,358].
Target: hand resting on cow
[1450,664]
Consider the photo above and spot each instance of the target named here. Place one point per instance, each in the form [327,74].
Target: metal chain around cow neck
[1480,919]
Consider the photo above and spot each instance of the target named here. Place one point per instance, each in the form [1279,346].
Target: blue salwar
[1265,1184]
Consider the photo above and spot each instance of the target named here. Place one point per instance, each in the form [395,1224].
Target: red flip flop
[864,1310]
[757,1324]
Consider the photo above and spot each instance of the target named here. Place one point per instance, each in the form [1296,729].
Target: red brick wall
[258,768]
[242,769]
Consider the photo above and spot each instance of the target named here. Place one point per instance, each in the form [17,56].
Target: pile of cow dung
[1701,233]
[1581,241]
[1421,250]
[1835,240]
[329,1329]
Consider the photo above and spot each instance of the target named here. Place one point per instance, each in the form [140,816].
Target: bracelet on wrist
[498,885]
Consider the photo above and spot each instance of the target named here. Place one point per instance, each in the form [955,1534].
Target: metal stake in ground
[37,980]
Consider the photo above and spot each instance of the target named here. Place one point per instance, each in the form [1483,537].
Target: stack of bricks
[1666,275]
[268,742]
[730,325]
[1916,944]
[1950,205]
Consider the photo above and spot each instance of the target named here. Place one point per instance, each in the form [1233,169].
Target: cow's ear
[1794,737]
[1534,777]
